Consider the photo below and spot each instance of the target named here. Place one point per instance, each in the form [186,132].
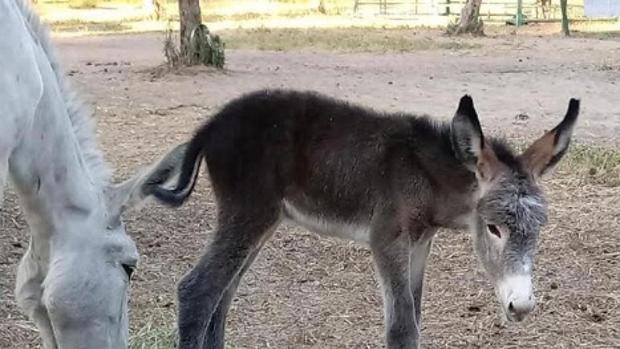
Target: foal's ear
[468,141]
[135,190]
[544,153]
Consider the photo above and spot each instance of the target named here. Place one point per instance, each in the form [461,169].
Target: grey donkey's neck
[56,167]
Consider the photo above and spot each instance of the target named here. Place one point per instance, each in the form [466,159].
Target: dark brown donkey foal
[387,180]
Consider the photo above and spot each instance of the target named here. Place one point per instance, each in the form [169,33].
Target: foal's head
[510,206]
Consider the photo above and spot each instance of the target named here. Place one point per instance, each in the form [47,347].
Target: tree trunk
[563,6]
[469,21]
[189,11]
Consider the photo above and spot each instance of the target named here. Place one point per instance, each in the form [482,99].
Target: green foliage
[205,48]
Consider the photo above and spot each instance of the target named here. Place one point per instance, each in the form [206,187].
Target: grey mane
[81,115]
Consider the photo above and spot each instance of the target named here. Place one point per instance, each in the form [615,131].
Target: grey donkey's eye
[494,230]
[129,269]
[114,223]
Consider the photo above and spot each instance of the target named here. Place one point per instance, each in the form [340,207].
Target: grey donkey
[385,180]
[73,280]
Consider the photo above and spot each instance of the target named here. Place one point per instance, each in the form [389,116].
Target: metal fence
[490,10]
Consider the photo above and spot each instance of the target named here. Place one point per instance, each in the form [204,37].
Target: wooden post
[563,6]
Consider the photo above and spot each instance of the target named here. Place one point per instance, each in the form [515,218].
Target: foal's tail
[187,177]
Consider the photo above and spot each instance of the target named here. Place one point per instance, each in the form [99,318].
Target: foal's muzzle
[516,296]
[517,311]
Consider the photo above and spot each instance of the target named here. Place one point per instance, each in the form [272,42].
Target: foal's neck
[455,190]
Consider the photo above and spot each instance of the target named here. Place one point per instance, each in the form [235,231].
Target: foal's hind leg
[239,235]
[217,325]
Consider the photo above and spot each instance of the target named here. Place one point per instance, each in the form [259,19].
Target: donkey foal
[389,181]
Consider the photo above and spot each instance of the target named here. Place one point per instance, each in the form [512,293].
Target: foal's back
[324,159]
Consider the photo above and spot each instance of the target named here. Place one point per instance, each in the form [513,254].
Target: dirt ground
[310,292]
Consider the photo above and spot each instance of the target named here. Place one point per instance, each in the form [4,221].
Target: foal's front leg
[418,253]
[400,264]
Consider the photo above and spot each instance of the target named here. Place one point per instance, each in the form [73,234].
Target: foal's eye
[493,229]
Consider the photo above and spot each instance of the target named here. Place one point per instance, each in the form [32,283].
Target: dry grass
[344,40]
[152,338]
[341,40]
[156,333]
[600,35]
[248,16]
[83,4]
[595,164]
[77,25]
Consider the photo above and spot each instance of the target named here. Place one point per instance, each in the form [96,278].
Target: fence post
[519,16]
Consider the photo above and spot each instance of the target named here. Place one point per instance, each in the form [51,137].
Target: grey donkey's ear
[547,151]
[468,141]
[138,188]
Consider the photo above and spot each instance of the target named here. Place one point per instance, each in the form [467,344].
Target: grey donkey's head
[510,206]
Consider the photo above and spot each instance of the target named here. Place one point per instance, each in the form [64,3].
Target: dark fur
[397,174]
[303,131]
